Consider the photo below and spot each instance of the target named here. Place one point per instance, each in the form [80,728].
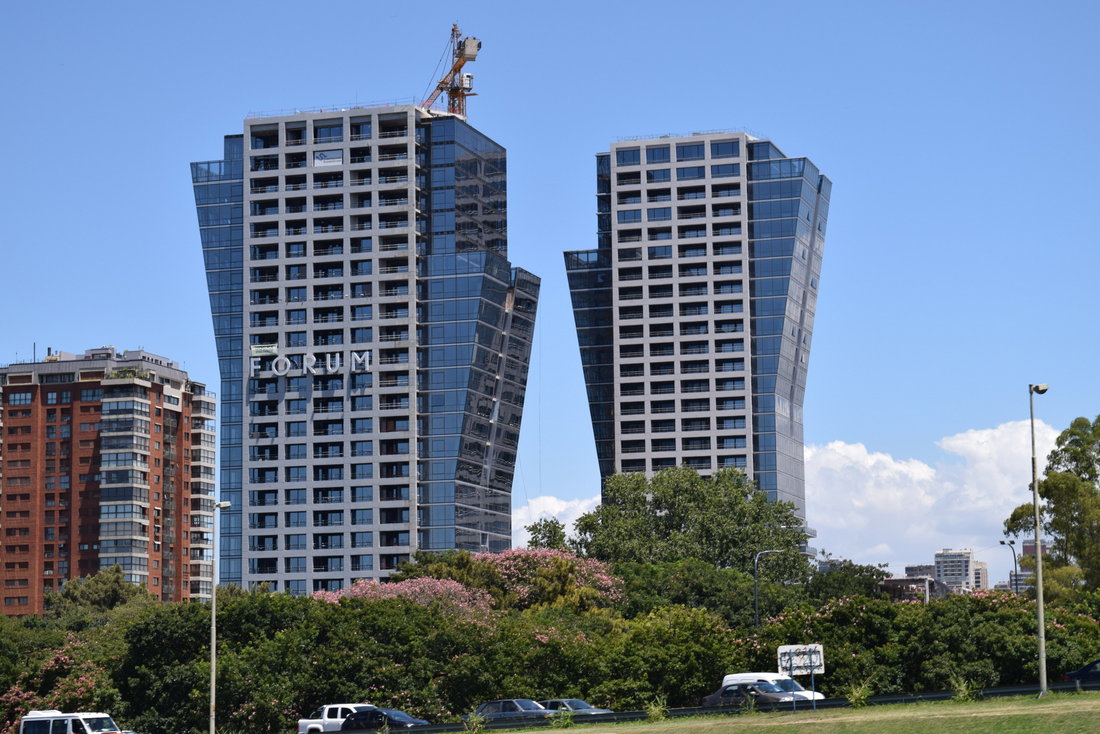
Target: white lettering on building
[333,364]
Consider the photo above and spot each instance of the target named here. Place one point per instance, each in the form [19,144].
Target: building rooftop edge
[672,136]
[98,353]
[389,105]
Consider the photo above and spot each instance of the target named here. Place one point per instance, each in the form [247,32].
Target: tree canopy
[678,515]
[1070,509]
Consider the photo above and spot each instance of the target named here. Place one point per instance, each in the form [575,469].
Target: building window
[628,157]
[658,175]
[690,173]
[725,149]
[690,152]
[725,169]
[657,154]
[630,216]
[659,214]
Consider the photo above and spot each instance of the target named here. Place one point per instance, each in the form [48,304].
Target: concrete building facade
[108,458]
[373,342]
[960,571]
[695,311]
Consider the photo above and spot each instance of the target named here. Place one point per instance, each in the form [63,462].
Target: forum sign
[308,364]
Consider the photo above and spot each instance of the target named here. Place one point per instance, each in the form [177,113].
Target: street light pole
[214,623]
[1015,566]
[756,586]
[1041,621]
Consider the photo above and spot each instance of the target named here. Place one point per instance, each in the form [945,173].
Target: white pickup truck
[329,717]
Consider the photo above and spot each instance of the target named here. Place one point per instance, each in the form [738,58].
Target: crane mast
[457,85]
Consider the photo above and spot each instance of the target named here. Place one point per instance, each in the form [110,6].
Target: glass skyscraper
[695,311]
[373,342]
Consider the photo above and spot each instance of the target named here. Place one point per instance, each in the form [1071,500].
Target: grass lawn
[1063,713]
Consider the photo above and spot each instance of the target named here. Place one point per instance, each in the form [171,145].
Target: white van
[55,722]
[787,683]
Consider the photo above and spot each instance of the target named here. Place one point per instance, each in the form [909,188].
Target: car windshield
[357,708]
[767,687]
[789,684]
[576,704]
[399,716]
[527,704]
[100,724]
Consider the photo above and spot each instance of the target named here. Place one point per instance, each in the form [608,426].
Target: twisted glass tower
[373,340]
[695,311]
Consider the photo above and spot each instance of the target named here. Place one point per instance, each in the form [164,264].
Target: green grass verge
[1065,713]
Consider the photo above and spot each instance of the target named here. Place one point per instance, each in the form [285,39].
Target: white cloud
[875,508]
[566,511]
[872,507]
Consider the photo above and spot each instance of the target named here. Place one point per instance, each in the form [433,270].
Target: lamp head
[221,505]
[1039,389]
[1008,542]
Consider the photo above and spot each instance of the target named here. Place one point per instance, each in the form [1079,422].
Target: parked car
[573,705]
[1087,673]
[787,683]
[329,717]
[52,721]
[739,693]
[512,708]
[372,719]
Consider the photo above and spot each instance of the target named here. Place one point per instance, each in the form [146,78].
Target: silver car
[573,706]
[512,708]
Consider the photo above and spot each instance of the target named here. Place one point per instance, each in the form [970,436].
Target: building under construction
[372,336]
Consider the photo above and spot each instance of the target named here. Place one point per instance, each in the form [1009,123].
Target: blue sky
[960,261]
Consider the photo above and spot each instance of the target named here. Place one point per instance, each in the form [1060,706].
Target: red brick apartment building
[105,458]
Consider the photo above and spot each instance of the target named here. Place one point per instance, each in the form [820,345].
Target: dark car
[371,719]
[573,706]
[512,708]
[740,693]
[1087,673]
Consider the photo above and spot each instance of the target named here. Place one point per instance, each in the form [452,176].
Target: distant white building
[959,571]
[980,575]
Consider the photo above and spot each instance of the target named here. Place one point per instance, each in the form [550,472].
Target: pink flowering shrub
[64,681]
[549,577]
[449,596]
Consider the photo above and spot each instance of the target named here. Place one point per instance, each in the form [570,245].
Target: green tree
[549,532]
[673,653]
[678,515]
[690,583]
[87,598]
[840,577]
[1070,510]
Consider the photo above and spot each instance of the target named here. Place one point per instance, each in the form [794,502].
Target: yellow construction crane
[457,85]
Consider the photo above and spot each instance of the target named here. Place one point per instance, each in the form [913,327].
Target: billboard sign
[801,659]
